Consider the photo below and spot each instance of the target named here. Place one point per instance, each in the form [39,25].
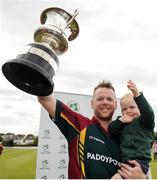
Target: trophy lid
[63,18]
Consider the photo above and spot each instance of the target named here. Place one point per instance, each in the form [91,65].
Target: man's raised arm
[49,104]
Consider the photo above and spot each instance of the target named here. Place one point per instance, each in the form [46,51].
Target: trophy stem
[72,19]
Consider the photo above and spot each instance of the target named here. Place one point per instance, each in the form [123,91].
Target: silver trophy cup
[33,69]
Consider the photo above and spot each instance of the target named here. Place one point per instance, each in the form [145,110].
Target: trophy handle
[72,25]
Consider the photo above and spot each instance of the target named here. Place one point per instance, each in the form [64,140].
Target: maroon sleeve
[69,122]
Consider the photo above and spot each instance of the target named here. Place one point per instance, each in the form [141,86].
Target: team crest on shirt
[74,106]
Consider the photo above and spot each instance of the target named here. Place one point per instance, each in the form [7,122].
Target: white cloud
[117,41]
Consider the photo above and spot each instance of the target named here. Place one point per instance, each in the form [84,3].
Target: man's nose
[105,101]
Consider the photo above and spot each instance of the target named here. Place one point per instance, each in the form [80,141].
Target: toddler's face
[129,107]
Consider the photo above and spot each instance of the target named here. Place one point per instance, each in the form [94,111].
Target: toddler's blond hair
[126,96]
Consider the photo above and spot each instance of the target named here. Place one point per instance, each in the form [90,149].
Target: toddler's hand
[133,88]
[126,118]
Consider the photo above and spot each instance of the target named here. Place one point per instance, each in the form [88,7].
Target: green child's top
[136,137]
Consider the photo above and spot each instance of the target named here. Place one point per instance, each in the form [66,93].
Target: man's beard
[107,118]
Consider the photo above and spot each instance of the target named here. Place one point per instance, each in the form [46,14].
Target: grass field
[21,164]
[154,169]
[18,164]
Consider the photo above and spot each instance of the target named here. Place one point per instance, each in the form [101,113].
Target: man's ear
[91,104]
[116,104]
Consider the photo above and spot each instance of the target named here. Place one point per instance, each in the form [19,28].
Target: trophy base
[29,76]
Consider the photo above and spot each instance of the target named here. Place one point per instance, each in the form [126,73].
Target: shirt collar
[95,121]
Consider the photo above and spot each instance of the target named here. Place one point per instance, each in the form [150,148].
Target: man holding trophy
[93,153]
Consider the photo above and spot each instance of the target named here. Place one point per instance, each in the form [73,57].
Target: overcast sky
[117,42]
